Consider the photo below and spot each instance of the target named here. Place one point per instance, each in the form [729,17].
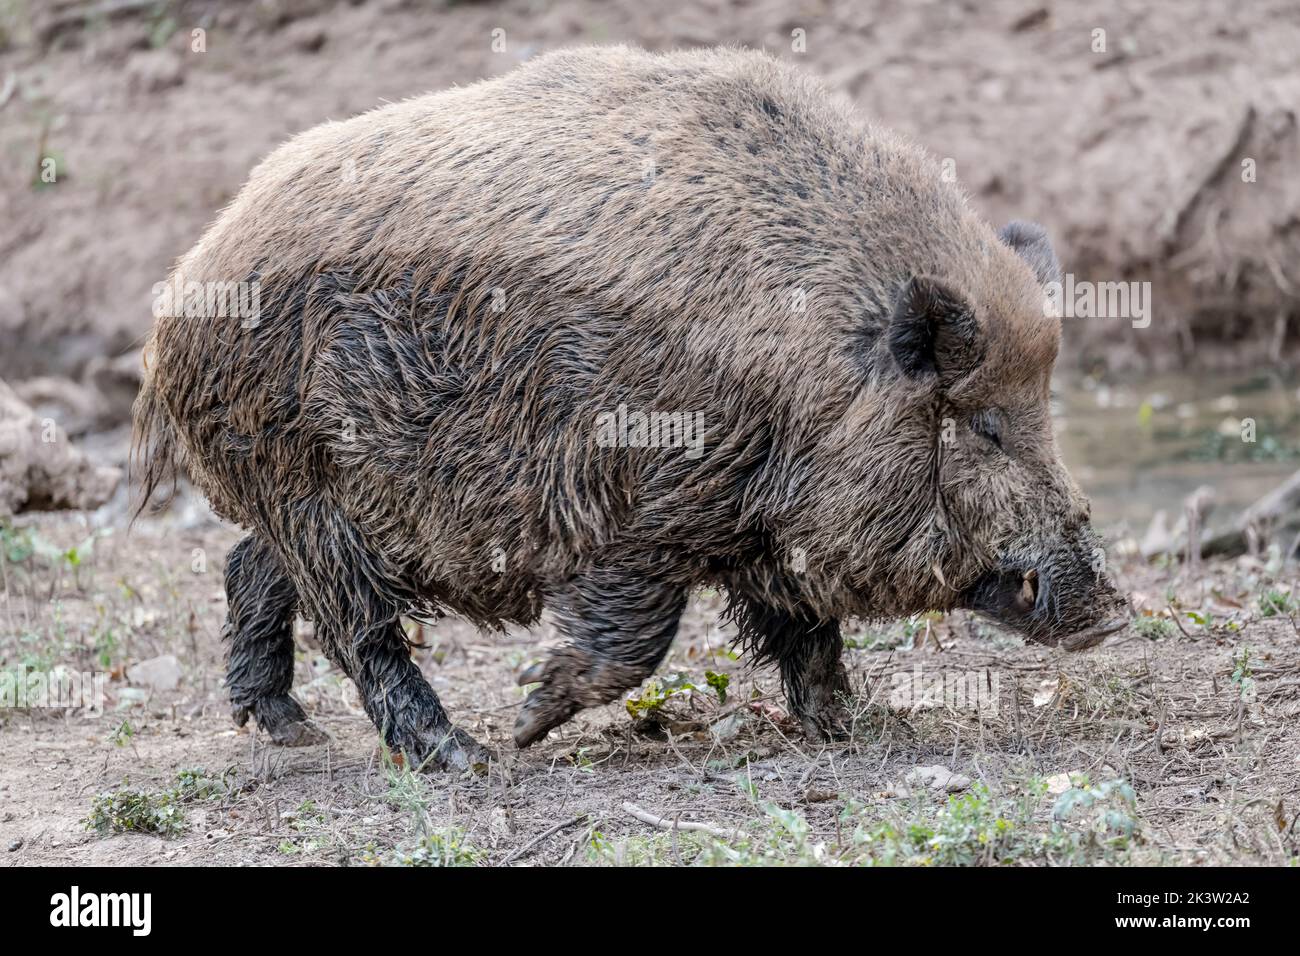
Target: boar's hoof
[541,712]
[283,720]
[572,678]
[819,695]
[826,723]
[457,752]
[299,733]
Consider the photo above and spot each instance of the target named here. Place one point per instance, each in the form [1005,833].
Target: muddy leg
[259,628]
[356,601]
[619,627]
[807,652]
[403,705]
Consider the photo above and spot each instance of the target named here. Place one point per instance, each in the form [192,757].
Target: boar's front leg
[619,626]
[808,653]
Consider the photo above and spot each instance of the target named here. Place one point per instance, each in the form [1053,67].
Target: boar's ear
[933,330]
[1030,242]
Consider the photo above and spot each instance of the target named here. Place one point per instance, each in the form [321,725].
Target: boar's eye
[988,424]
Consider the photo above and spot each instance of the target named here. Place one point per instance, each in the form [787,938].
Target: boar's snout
[1055,596]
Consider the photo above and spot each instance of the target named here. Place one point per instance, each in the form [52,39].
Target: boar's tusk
[934,568]
[533,675]
[1028,590]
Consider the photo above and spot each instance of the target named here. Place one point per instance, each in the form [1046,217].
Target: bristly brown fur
[454,289]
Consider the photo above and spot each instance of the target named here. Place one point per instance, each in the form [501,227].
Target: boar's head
[1018,541]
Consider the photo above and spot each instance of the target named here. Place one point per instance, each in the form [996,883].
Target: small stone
[501,824]
[15,845]
[728,727]
[1058,783]
[307,37]
[153,71]
[938,778]
[157,673]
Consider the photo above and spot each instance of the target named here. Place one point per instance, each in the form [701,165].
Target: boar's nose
[1075,612]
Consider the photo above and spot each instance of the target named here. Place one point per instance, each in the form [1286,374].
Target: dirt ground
[1176,742]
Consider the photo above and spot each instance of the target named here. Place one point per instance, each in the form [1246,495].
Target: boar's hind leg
[259,628]
[619,627]
[808,654]
[356,601]
[403,705]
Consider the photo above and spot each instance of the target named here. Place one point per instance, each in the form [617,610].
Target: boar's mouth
[1069,611]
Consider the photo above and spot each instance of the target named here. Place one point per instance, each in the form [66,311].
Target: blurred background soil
[1132,156]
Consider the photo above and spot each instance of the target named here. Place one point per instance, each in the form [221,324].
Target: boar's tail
[153,448]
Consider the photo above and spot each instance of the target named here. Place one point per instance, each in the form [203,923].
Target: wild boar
[593,333]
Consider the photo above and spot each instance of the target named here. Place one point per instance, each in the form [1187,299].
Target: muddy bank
[40,470]
[1155,153]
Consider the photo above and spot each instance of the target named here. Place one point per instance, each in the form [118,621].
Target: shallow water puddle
[1139,446]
